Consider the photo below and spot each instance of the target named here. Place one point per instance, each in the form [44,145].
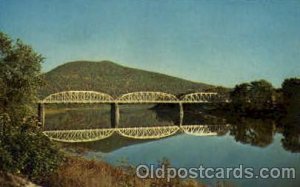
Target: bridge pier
[181,113]
[115,115]
[41,114]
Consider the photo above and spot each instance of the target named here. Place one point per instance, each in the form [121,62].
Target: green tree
[23,147]
[291,100]
[261,95]
[256,132]
[291,120]
[19,76]
[240,97]
[291,92]
[253,96]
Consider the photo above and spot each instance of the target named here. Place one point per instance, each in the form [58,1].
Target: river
[247,142]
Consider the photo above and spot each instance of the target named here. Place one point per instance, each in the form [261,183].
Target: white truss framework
[78,97]
[148,132]
[87,135]
[148,97]
[203,130]
[200,97]
[134,97]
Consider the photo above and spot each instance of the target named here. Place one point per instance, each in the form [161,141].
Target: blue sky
[217,42]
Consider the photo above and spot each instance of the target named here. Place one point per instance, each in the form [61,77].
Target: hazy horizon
[214,42]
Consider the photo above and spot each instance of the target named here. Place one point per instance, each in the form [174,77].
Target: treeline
[260,98]
[258,106]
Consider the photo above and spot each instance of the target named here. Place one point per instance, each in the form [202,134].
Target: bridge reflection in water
[90,97]
[87,135]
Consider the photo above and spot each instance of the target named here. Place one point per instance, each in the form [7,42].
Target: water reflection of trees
[259,99]
[291,140]
[194,114]
[290,123]
[255,132]
[260,132]
[291,120]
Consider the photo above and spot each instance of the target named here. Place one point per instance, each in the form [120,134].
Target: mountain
[113,79]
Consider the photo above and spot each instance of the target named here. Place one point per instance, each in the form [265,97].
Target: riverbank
[80,172]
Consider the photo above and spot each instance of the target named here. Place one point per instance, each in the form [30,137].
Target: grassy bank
[79,172]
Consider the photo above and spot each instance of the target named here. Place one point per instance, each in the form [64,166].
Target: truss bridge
[134,97]
[142,97]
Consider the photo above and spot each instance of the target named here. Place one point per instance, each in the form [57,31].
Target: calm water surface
[251,142]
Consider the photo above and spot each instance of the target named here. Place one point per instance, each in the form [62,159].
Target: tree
[291,99]
[291,91]
[291,120]
[256,132]
[19,76]
[253,96]
[261,95]
[240,96]
[23,147]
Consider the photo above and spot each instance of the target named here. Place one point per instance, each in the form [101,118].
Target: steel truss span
[147,97]
[134,97]
[78,97]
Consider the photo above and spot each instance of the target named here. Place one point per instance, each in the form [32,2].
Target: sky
[220,42]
